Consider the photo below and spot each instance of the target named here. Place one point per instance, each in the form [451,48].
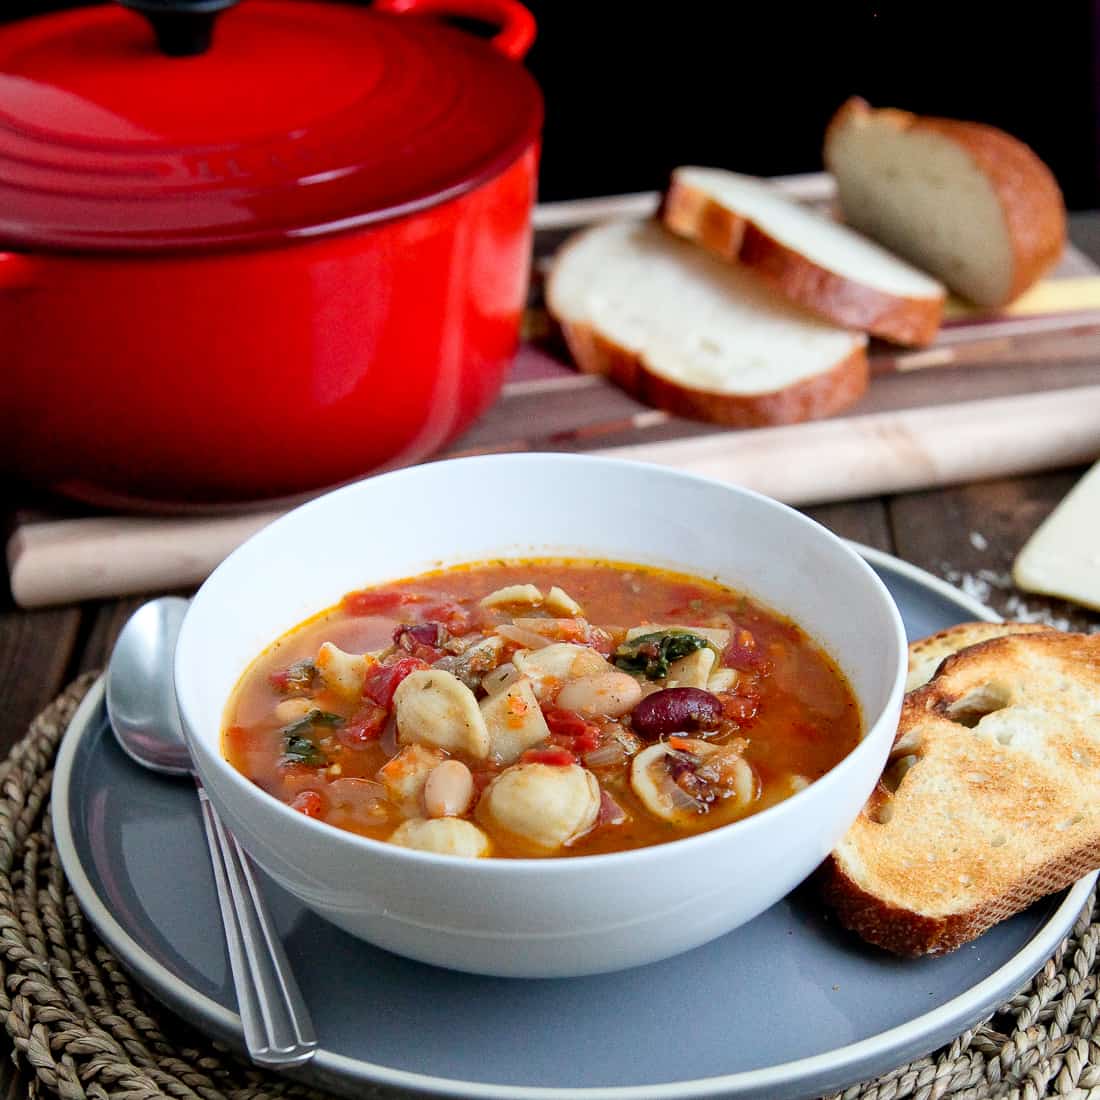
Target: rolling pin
[801,464]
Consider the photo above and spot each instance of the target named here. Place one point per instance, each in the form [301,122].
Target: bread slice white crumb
[815,261]
[966,202]
[686,332]
[988,802]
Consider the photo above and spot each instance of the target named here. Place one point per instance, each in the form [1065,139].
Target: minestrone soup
[539,708]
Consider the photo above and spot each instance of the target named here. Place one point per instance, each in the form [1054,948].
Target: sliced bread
[813,260]
[685,332]
[989,800]
[927,654]
[966,202]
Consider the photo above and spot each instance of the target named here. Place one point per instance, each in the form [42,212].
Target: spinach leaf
[299,747]
[301,750]
[312,718]
[651,654]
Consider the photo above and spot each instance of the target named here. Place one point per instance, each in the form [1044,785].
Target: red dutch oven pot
[250,259]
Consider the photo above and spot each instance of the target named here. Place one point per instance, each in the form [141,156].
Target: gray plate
[787,1006]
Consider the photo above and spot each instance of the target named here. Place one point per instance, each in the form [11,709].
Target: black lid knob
[184,28]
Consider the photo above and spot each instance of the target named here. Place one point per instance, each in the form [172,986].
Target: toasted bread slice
[688,333]
[989,801]
[927,654]
[965,202]
[810,259]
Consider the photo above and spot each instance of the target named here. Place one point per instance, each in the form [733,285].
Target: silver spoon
[141,705]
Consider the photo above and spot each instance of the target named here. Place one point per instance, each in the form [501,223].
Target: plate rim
[164,985]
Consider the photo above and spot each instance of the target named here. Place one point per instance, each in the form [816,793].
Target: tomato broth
[540,708]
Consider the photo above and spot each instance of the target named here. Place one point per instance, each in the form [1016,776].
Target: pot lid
[300,118]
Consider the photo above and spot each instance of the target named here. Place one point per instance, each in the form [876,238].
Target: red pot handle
[517,24]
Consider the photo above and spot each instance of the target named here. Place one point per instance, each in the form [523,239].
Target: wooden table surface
[968,535]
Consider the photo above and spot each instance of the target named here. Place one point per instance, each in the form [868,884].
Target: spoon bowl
[141,707]
[141,701]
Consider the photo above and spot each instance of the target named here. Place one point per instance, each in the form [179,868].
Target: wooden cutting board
[994,396]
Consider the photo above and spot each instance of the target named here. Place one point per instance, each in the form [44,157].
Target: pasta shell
[544,804]
[435,708]
[514,720]
[448,836]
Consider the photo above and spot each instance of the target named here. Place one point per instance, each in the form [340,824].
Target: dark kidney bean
[676,710]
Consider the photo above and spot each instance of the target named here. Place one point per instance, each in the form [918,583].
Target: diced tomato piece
[579,743]
[382,680]
[295,679]
[558,758]
[373,601]
[309,803]
[363,727]
[587,741]
[454,617]
[571,731]
[745,654]
[568,723]
[428,654]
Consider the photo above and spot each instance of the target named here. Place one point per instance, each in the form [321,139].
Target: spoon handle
[278,1031]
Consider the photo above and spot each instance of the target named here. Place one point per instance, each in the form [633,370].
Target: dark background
[635,88]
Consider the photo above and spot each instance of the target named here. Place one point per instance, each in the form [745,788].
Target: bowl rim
[551,865]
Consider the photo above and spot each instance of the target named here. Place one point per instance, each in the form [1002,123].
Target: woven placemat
[81,1028]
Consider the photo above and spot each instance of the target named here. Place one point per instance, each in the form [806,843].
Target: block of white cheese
[1062,558]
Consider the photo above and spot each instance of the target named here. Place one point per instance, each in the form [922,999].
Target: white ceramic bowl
[552,917]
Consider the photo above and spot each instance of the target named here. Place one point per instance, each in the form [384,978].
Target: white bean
[405,775]
[449,789]
[609,693]
[547,667]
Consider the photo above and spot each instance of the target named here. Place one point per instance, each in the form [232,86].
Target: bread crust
[927,654]
[809,399]
[1030,199]
[690,212]
[910,933]
[918,874]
